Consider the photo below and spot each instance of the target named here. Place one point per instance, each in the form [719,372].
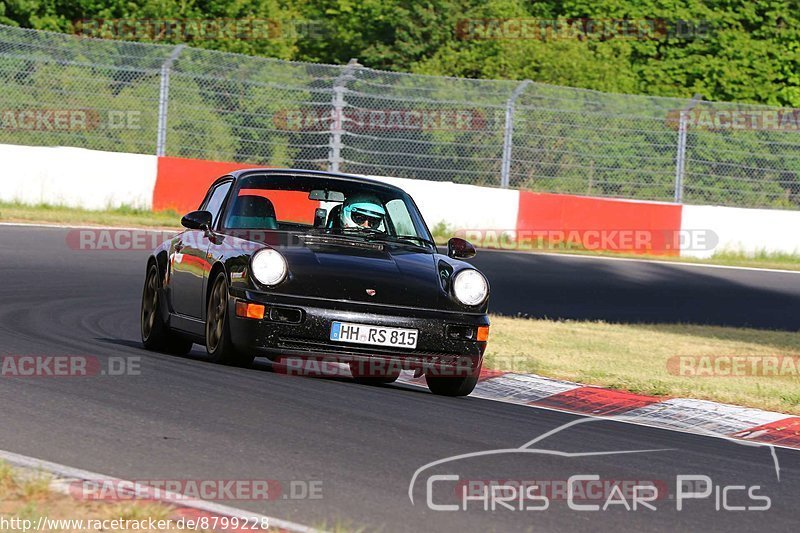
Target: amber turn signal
[248,310]
[483,333]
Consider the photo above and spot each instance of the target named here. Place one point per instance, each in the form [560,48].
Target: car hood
[362,271]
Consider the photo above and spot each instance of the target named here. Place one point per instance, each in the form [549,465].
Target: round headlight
[269,267]
[470,287]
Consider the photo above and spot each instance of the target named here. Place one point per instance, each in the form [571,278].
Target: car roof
[237,174]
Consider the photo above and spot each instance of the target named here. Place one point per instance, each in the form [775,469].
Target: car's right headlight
[269,266]
[470,287]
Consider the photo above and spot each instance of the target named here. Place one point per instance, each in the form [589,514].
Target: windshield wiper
[415,238]
[373,234]
[367,232]
[405,239]
[343,231]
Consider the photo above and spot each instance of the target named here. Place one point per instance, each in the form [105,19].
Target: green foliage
[730,50]
[725,50]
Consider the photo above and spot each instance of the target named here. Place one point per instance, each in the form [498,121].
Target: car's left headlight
[470,287]
[269,266]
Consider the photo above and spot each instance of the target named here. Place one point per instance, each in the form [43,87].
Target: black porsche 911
[305,264]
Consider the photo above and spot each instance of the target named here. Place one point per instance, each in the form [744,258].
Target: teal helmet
[363,210]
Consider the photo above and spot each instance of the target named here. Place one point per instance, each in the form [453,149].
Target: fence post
[508,137]
[680,158]
[163,100]
[337,120]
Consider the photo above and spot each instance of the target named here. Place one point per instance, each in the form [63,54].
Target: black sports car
[314,265]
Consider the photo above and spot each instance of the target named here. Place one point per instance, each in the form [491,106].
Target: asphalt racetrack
[184,418]
[620,290]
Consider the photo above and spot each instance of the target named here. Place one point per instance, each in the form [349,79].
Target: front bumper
[441,345]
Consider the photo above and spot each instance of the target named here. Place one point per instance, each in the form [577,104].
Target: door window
[216,199]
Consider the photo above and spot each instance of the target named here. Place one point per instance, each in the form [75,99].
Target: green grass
[118,216]
[26,494]
[780,260]
[7,476]
[634,357]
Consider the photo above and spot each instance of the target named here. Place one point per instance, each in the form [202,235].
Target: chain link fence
[63,90]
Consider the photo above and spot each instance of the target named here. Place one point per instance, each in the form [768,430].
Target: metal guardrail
[61,89]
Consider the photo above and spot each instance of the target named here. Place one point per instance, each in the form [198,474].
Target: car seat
[252,212]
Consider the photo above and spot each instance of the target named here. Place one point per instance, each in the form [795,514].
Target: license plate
[375,335]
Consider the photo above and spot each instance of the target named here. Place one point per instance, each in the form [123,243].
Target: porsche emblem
[371,292]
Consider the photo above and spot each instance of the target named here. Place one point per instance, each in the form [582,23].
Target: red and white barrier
[97,180]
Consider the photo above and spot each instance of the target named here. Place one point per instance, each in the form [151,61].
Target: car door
[189,261]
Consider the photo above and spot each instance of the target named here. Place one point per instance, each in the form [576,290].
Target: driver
[363,211]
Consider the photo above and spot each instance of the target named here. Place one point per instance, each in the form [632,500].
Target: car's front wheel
[452,385]
[219,345]
[156,334]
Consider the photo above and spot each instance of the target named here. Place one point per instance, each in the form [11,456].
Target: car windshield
[317,204]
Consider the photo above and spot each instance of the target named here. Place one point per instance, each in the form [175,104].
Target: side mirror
[460,249]
[197,220]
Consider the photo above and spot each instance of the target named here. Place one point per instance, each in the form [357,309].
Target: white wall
[76,177]
[740,229]
[461,206]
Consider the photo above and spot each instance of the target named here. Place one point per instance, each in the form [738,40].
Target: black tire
[156,335]
[356,370]
[219,345]
[452,385]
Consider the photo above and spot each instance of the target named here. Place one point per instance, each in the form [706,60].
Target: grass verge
[120,216]
[27,498]
[636,358]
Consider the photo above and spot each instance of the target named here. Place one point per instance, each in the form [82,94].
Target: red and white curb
[678,414]
[66,478]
